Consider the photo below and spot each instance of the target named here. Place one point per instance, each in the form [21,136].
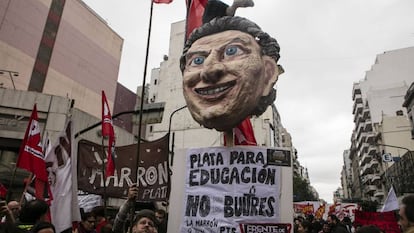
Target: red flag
[244,134]
[31,155]
[386,221]
[163,1]
[107,127]
[108,130]
[195,11]
[110,166]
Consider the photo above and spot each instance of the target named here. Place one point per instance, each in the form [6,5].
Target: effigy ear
[271,73]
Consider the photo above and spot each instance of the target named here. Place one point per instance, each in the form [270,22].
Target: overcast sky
[326,46]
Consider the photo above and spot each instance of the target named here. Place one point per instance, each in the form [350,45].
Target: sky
[326,46]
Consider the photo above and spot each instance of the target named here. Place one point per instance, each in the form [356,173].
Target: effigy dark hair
[269,45]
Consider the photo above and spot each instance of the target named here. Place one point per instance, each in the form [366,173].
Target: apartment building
[381,123]
[346,175]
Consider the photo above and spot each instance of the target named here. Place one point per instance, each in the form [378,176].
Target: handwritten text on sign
[229,186]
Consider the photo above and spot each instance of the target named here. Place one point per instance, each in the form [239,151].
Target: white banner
[64,210]
[229,187]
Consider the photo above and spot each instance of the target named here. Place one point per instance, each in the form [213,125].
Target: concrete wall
[17,106]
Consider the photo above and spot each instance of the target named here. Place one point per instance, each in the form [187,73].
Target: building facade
[381,123]
[61,48]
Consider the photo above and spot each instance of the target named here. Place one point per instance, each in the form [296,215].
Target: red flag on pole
[163,1]
[195,11]
[108,131]
[31,155]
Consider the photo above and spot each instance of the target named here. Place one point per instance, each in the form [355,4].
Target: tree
[302,190]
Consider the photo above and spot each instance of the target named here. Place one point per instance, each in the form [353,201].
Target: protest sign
[227,189]
[305,209]
[265,227]
[153,176]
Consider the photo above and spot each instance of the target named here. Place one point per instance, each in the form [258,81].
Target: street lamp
[173,136]
[11,74]
[152,112]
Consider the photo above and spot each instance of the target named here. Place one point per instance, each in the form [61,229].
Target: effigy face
[224,78]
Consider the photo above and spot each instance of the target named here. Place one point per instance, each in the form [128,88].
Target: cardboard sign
[226,187]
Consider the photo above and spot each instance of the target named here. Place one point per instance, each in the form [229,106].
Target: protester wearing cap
[144,222]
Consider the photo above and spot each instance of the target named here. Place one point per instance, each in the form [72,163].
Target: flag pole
[142,100]
[9,191]
[104,175]
[143,92]
[189,2]
[29,180]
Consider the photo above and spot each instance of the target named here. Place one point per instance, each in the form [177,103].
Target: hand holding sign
[132,192]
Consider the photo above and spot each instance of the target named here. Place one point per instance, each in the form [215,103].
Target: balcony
[359,129]
[369,167]
[357,108]
[356,90]
[373,164]
[378,193]
[366,158]
[357,98]
[371,137]
[370,189]
[365,113]
[368,125]
[362,137]
[375,178]
[372,150]
[357,118]
[363,147]
[367,178]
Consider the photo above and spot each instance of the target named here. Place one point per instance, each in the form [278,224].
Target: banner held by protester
[153,174]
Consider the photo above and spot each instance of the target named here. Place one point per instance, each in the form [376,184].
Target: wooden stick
[29,180]
[229,138]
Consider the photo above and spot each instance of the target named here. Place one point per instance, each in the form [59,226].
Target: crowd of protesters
[333,224]
[33,217]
